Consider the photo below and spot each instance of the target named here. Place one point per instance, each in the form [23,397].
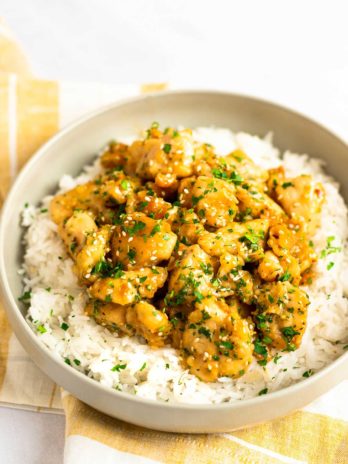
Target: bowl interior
[78,144]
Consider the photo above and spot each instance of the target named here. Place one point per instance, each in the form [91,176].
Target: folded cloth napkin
[31,111]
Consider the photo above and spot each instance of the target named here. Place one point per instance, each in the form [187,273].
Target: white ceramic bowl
[75,146]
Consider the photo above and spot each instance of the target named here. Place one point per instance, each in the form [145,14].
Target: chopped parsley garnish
[137,227]
[233,177]
[195,200]
[285,277]
[64,326]
[308,373]
[155,229]
[119,367]
[204,331]
[105,269]
[77,362]
[228,345]
[25,297]
[125,184]
[289,332]
[206,268]
[73,246]
[166,148]
[287,184]
[143,367]
[132,254]
[330,265]
[329,248]
[198,295]
[41,328]
[263,392]
[260,349]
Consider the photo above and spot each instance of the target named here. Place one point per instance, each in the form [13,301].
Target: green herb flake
[132,254]
[64,326]
[285,277]
[329,248]
[137,227]
[228,345]
[287,185]
[41,329]
[25,297]
[330,265]
[289,332]
[142,367]
[77,362]
[308,373]
[73,247]
[204,331]
[166,148]
[155,229]
[125,184]
[263,392]
[259,348]
[119,367]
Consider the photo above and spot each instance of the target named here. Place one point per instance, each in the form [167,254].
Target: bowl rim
[12,306]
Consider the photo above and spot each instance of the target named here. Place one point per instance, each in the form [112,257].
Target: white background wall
[292,51]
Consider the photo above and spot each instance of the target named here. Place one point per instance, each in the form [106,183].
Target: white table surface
[293,52]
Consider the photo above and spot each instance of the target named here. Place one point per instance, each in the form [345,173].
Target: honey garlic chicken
[182,247]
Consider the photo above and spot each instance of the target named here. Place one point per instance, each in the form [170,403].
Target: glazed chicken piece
[117,157]
[217,342]
[130,286]
[213,200]
[117,187]
[149,322]
[187,226]
[288,243]
[76,229]
[84,197]
[142,241]
[272,268]
[282,314]
[190,278]
[258,204]
[300,197]
[240,169]
[94,196]
[110,315]
[94,250]
[245,239]
[168,152]
[141,319]
[231,279]
[151,205]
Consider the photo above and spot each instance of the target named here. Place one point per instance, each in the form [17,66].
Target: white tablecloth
[293,52]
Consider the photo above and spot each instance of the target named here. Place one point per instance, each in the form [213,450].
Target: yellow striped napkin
[31,111]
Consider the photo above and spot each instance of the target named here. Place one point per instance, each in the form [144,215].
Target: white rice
[157,373]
